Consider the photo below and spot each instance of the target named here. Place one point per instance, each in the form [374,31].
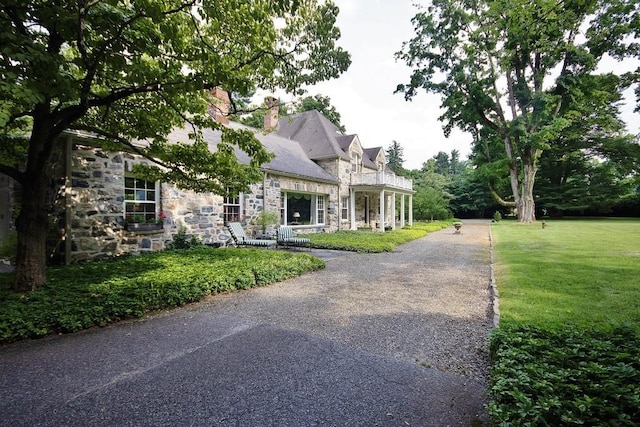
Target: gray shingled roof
[290,159]
[318,137]
[369,157]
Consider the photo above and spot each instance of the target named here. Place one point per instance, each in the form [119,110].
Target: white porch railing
[381,178]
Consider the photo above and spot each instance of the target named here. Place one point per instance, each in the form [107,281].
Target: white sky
[372,31]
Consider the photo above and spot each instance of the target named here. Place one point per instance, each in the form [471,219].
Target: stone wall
[91,209]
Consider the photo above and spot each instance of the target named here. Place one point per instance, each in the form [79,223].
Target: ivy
[566,377]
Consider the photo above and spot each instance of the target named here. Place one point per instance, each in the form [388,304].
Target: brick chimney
[219,108]
[271,118]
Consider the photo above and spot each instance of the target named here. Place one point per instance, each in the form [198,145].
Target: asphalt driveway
[395,339]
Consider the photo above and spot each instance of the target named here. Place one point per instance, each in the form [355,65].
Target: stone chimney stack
[271,118]
[219,109]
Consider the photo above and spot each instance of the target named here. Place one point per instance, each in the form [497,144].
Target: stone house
[320,180]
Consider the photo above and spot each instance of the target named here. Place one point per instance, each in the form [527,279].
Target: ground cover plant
[97,293]
[568,348]
[374,241]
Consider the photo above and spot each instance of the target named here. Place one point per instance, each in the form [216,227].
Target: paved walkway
[396,339]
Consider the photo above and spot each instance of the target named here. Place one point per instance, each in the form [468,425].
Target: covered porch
[380,201]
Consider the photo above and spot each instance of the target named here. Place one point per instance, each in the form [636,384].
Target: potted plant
[266,219]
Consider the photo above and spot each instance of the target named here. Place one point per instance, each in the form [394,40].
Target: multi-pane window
[140,200]
[283,209]
[302,209]
[355,163]
[232,209]
[319,209]
[344,208]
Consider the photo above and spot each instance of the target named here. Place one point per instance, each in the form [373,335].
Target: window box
[142,226]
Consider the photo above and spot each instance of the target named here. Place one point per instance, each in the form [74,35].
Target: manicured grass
[568,348]
[97,293]
[374,241]
[585,273]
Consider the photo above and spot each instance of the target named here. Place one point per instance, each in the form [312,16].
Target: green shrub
[565,377]
[101,292]
[497,216]
[182,241]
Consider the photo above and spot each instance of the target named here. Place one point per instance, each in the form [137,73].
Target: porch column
[382,211]
[392,208]
[411,210]
[352,209]
[402,210]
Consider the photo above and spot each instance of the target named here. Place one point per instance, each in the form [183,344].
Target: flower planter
[142,226]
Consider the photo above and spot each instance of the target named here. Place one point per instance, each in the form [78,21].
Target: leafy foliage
[507,70]
[323,105]
[101,292]
[182,241]
[395,158]
[565,377]
[136,70]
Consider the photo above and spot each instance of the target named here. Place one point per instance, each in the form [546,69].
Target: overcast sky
[372,31]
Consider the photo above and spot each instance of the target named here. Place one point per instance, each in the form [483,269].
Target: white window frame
[232,209]
[320,209]
[344,208]
[317,203]
[355,161]
[141,193]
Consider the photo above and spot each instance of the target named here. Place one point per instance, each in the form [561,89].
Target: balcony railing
[381,178]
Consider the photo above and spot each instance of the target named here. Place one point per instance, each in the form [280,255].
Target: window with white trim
[344,208]
[141,200]
[232,208]
[355,163]
[302,209]
[319,209]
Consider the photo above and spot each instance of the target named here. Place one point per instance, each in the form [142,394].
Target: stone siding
[96,205]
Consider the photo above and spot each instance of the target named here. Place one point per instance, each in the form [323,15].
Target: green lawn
[568,348]
[375,241]
[580,272]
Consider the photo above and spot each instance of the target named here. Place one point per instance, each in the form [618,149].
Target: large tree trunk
[32,222]
[32,225]
[527,210]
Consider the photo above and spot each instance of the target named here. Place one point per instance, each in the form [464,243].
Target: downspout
[264,192]
[67,201]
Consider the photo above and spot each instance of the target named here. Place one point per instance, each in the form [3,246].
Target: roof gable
[318,137]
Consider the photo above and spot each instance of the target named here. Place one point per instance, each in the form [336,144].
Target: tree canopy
[323,105]
[506,71]
[134,70]
[395,158]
